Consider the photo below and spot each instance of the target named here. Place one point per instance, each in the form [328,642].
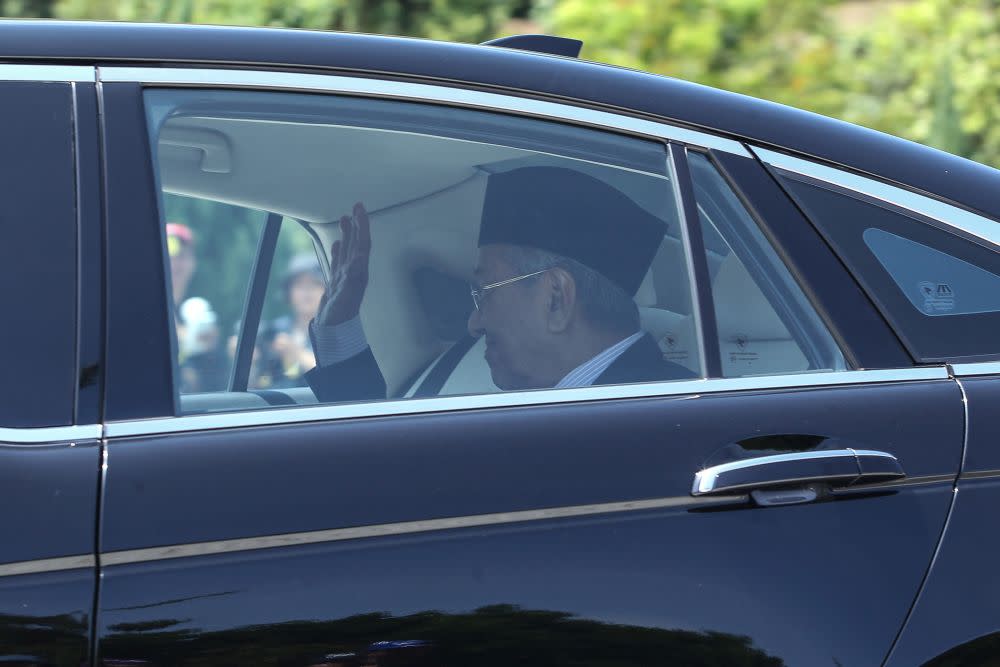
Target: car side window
[941,292]
[766,325]
[423,250]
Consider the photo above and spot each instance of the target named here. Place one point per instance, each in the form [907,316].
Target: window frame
[676,140]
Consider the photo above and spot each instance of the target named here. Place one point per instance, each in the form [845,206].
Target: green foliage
[924,69]
[458,20]
[927,71]
[41,9]
[741,45]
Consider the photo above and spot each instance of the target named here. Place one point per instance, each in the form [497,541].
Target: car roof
[936,173]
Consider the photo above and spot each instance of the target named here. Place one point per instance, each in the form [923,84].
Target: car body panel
[47,562]
[49,468]
[681,567]
[39,253]
[964,580]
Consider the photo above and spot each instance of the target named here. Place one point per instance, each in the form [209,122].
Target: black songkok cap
[575,215]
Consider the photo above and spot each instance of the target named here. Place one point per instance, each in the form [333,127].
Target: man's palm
[348,270]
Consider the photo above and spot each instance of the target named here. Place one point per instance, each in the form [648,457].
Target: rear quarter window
[939,290]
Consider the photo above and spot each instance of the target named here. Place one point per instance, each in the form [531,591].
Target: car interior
[422,179]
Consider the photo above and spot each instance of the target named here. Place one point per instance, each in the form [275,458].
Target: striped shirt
[587,373]
[340,342]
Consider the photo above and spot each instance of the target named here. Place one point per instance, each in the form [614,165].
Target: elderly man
[560,255]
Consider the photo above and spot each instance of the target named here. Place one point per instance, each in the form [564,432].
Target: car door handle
[834,467]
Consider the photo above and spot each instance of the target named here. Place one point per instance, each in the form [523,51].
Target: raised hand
[348,270]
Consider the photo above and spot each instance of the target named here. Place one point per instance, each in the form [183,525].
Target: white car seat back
[753,340]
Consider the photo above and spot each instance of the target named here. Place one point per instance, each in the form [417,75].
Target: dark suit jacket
[359,378]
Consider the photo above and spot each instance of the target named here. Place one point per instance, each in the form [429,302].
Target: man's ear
[561,300]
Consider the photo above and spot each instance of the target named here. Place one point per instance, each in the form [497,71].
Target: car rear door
[50,429]
[560,526]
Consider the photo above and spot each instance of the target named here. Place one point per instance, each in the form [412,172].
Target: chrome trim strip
[77,73]
[953,216]
[239,78]
[274,416]
[980,474]
[873,454]
[981,368]
[50,434]
[861,486]
[404,528]
[47,565]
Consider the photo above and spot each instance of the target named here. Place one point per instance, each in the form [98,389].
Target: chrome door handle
[836,467]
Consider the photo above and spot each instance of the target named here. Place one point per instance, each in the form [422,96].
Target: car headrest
[741,308]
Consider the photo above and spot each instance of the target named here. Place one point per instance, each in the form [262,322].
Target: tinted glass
[37,255]
[957,288]
[941,292]
[765,323]
[460,252]
[283,353]
[211,248]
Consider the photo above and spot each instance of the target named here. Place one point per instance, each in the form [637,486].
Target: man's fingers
[335,256]
[364,239]
[347,231]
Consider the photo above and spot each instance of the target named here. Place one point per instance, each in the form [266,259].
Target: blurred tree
[923,69]
[927,70]
[456,20]
[761,47]
[41,9]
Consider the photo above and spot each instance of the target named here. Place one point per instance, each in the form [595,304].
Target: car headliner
[933,172]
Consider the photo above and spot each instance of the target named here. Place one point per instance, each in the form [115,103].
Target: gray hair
[602,302]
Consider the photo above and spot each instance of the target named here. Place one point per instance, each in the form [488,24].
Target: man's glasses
[478,294]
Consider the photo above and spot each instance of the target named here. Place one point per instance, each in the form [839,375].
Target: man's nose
[475,323]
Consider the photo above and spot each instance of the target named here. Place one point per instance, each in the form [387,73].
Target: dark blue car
[725,391]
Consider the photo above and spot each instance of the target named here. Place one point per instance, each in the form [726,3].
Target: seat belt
[445,366]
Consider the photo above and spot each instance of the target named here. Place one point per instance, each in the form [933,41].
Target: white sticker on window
[938,297]
[936,283]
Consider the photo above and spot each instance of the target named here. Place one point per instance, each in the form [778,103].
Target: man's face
[512,318]
[182,266]
[305,293]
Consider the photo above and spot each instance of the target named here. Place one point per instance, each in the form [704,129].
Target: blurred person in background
[200,358]
[288,348]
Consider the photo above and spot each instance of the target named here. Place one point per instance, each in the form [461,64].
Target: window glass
[211,247]
[765,323]
[935,283]
[423,250]
[283,353]
[941,292]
